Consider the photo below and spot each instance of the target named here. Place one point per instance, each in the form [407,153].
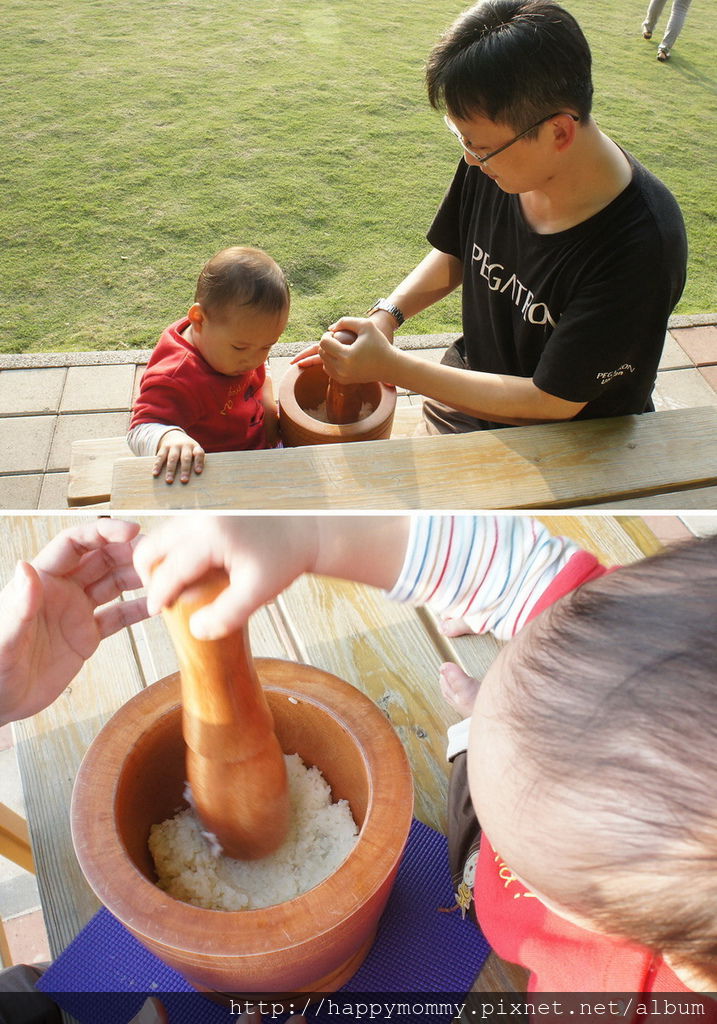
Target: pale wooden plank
[91,463]
[615,540]
[51,745]
[383,649]
[406,419]
[704,498]
[5,954]
[50,748]
[15,839]
[549,466]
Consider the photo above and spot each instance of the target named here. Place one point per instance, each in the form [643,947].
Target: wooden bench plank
[369,640]
[91,465]
[555,465]
[407,419]
[616,540]
[15,839]
[701,498]
[92,461]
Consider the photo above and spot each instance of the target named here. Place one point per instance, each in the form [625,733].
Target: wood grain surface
[554,465]
[390,651]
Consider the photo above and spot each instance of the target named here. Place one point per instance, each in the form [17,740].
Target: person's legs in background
[674,27]
[654,11]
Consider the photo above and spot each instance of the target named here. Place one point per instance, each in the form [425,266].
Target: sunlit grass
[140,138]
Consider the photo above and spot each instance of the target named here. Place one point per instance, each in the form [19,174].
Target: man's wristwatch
[389,308]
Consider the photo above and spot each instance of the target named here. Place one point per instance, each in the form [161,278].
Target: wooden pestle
[235,765]
[343,401]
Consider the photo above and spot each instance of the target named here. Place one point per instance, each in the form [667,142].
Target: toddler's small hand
[178,449]
[309,357]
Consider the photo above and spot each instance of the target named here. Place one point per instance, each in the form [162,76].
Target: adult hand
[178,449]
[385,323]
[55,611]
[370,357]
[261,555]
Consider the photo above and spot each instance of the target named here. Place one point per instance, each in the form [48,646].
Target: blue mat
[105,974]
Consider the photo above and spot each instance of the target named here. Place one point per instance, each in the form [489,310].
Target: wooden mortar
[300,390]
[133,776]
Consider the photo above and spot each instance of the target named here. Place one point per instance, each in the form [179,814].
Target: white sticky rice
[320,412]
[321,835]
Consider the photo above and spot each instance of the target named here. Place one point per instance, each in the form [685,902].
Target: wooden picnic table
[390,651]
[662,459]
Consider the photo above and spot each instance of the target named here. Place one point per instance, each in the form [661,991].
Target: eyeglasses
[483,159]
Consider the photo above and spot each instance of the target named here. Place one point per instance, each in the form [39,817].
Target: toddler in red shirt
[205,388]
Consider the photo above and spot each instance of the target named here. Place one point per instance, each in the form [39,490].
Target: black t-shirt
[583,312]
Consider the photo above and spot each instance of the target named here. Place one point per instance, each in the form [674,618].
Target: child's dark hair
[513,61]
[614,705]
[242,276]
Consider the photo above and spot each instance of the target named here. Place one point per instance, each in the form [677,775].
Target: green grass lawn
[141,137]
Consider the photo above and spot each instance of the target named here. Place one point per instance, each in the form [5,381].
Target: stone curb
[38,360]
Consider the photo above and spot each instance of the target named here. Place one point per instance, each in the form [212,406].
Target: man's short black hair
[512,61]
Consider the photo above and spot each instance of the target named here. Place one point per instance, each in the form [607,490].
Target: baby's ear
[196,315]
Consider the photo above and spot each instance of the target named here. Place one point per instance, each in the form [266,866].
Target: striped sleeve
[487,570]
[144,439]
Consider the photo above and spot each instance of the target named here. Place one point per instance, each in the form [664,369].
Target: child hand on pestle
[588,746]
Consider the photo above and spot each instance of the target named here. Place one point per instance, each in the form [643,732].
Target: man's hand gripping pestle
[343,401]
[235,765]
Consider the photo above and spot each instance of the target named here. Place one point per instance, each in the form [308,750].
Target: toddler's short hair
[613,704]
[242,276]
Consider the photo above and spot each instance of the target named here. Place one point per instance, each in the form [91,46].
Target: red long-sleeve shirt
[180,388]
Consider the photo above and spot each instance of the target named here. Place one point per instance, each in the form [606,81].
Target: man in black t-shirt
[570,253]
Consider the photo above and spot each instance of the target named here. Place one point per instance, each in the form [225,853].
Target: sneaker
[646,33]
[663,54]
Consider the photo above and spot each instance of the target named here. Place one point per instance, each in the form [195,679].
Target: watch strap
[389,307]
